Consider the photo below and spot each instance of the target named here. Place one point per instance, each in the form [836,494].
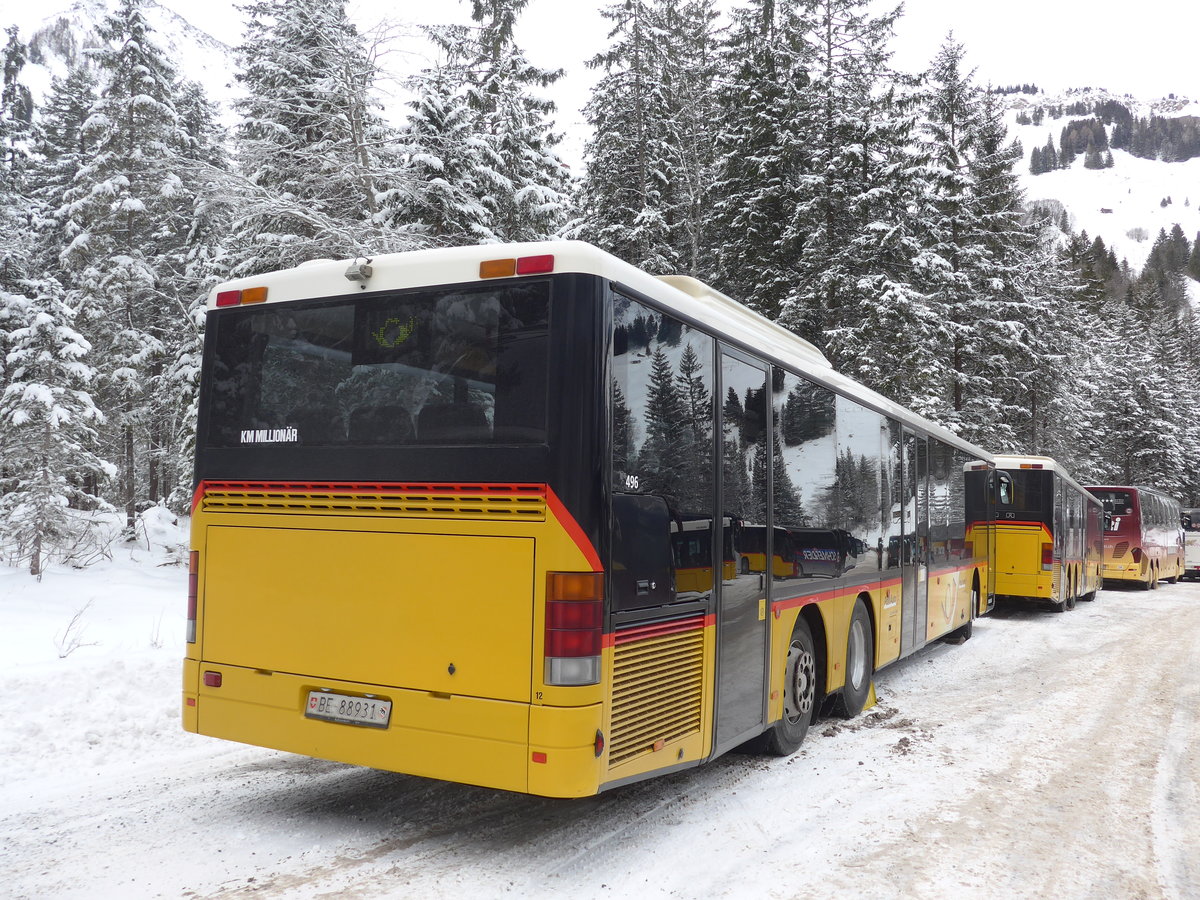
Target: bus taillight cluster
[574,627]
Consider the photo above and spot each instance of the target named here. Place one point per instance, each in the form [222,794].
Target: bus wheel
[859,652]
[799,695]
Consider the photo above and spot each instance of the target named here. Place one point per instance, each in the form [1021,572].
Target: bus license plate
[351,710]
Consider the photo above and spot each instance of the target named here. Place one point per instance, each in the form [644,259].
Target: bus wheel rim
[802,679]
[857,663]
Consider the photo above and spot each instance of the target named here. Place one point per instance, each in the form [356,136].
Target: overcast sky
[1149,48]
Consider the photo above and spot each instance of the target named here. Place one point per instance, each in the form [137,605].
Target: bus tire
[799,695]
[859,652]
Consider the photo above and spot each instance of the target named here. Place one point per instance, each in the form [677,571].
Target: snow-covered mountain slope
[60,33]
[1122,205]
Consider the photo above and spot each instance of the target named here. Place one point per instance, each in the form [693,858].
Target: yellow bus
[456,513]
[1048,533]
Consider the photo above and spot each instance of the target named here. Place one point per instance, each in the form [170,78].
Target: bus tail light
[1137,555]
[1047,556]
[523,265]
[193,591]
[574,627]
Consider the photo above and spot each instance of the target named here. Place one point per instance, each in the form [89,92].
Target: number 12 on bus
[578,526]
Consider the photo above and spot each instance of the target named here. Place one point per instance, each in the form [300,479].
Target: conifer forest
[771,151]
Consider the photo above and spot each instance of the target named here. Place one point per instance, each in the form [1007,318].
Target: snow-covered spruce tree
[883,331]
[48,422]
[441,197]
[625,197]
[62,151]
[953,254]
[654,116]
[18,210]
[16,106]
[692,96]
[311,147]
[765,64]
[131,206]
[525,184]
[203,157]
[849,120]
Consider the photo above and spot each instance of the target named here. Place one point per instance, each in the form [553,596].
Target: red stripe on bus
[660,629]
[821,596]
[377,487]
[567,521]
[198,496]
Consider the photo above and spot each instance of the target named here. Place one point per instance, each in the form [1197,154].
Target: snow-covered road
[1051,755]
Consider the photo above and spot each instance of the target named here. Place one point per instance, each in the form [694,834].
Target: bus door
[915,559]
[741,594]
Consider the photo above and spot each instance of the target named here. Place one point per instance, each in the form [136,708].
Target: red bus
[1143,541]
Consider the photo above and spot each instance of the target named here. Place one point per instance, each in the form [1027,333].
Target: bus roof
[1018,461]
[683,295]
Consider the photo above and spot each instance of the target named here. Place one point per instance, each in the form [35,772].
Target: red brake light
[229,298]
[212,679]
[1047,555]
[535,265]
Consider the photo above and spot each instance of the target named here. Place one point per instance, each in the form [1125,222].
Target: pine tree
[131,206]
[48,427]
[310,146]
[525,183]
[848,123]
[64,148]
[441,198]
[766,63]
[626,195]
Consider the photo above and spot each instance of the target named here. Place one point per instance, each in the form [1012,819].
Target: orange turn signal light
[498,268]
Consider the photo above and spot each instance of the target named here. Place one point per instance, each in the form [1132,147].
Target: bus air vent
[506,502]
[658,681]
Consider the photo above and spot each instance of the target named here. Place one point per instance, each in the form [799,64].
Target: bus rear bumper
[501,744]
[1033,587]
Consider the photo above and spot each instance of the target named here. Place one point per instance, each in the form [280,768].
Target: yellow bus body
[1019,571]
[456,662]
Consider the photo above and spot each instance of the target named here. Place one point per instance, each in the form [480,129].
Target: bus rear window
[466,366]
[1028,492]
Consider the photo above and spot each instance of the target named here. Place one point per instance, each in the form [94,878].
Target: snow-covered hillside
[59,32]
[1121,205]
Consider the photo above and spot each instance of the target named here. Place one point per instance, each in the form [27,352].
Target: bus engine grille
[658,686]
[524,502]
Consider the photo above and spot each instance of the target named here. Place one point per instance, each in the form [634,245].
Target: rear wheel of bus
[853,696]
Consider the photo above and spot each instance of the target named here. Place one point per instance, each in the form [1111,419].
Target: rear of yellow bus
[1026,561]
[395,556]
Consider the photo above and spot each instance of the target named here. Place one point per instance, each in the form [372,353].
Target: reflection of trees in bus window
[859,483]
[807,413]
[662,411]
[662,408]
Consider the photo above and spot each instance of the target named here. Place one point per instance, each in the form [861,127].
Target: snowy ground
[1052,755]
